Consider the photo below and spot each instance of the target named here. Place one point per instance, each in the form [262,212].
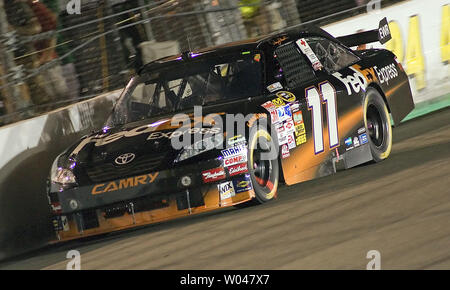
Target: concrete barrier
[27,150]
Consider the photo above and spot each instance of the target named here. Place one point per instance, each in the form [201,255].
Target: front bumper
[138,200]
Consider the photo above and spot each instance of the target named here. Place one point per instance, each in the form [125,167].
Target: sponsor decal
[213,175]
[356,81]
[285,151]
[124,183]
[229,161]
[297,117]
[348,141]
[356,142]
[300,139]
[284,113]
[269,106]
[295,106]
[242,183]
[363,138]
[237,169]
[274,87]
[386,73]
[291,141]
[278,102]
[274,117]
[56,207]
[281,134]
[300,129]
[65,223]
[306,49]
[236,140]
[289,126]
[233,151]
[384,34]
[286,96]
[368,73]
[361,130]
[226,190]
[58,223]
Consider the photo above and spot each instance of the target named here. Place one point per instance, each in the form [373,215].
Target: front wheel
[378,125]
[263,164]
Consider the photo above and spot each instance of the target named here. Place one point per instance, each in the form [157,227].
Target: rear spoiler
[382,34]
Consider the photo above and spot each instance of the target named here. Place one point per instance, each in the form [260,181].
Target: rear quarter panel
[391,80]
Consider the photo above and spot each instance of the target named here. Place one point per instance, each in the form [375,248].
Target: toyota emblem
[124,158]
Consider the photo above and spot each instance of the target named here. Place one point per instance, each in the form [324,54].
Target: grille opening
[109,171]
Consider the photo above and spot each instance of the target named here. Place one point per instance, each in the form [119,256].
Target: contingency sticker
[237,169]
[278,102]
[306,49]
[300,129]
[291,141]
[281,134]
[269,106]
[363,139]
[242,183]
[286,96]
[226,190]
[298,117]
[236,140]
[300,139]
[284,113]
[285,151]
[274,87]
[289,126]
[274,116]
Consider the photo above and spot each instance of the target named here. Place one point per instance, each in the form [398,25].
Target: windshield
[189,83]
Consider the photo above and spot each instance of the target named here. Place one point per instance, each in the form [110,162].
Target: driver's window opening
[182,86]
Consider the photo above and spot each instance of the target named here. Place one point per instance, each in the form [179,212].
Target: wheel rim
[261,168]
[375,125]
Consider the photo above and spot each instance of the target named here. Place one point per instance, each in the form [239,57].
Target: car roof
[239,46]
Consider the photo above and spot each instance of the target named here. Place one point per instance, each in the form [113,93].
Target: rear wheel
[378,125]
[263,164]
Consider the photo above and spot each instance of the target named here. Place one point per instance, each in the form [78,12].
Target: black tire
[263,167]
[378,125]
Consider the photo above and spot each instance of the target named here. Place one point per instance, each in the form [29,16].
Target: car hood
[136,147]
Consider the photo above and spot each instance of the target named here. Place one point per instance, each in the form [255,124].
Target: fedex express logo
[355,81]
[361,77]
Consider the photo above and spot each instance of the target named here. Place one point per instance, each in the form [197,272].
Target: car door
[321,102]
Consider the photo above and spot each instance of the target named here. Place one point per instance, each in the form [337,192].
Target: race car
[224,126]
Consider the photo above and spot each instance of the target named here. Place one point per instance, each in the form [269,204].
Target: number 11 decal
[326,94]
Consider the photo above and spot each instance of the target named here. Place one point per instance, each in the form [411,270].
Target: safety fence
[57,52]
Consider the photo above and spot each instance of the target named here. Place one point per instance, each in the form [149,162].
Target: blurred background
[57,52]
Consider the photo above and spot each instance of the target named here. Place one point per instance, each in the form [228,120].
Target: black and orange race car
[224,126]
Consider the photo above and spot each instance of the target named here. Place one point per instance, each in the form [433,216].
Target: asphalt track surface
[400,207]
